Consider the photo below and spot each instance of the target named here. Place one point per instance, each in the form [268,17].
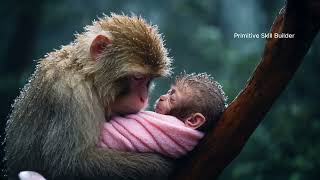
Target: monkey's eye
[138,77]
[171,91]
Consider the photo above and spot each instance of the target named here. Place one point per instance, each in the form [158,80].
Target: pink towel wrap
[149,132]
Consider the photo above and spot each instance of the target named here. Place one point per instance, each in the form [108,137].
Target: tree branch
[280,60]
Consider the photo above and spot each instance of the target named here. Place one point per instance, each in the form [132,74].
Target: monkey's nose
[162,98]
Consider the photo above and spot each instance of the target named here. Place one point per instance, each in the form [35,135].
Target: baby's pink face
[167,101]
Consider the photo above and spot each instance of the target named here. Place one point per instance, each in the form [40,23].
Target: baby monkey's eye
[172,91]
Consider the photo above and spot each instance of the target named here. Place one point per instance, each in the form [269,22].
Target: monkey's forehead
[138,42]
[143,69]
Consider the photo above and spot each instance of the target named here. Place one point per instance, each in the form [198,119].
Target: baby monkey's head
[196,99]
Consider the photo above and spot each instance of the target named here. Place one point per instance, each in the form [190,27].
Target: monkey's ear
[194,121]
[98,45]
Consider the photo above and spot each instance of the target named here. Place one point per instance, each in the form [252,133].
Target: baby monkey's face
[168,101]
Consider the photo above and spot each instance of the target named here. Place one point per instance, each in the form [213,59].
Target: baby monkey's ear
[195,120]
[98,45]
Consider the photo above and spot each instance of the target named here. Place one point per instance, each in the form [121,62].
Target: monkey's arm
[126,165]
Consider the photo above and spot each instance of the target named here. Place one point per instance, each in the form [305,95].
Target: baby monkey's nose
[163,97]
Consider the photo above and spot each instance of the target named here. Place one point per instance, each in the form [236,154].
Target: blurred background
[199,36]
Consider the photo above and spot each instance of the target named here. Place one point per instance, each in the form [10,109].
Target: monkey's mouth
[157,108]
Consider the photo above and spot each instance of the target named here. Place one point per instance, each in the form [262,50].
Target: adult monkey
[55,123]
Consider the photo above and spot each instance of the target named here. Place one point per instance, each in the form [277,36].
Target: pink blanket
[149,132]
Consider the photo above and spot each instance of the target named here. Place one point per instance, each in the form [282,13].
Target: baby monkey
[182,115]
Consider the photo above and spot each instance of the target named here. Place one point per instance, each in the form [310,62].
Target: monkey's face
[133,96]
[168,101]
